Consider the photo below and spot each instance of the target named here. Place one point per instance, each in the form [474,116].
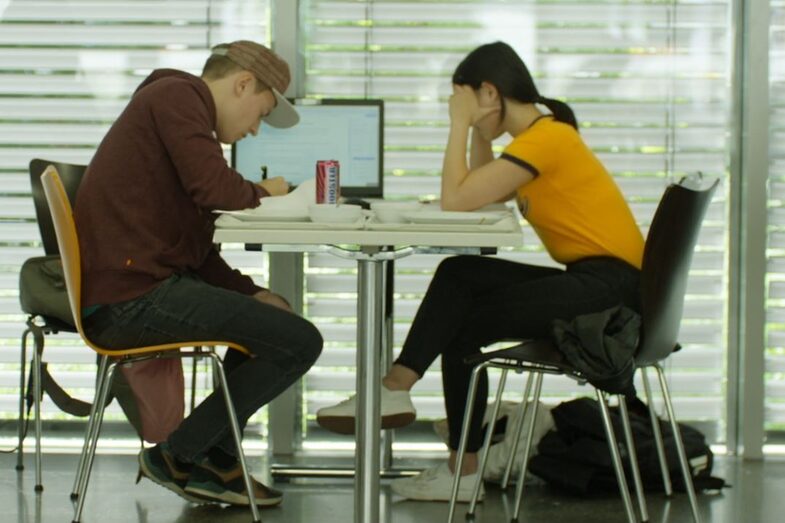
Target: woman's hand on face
[465,106]
[276,186]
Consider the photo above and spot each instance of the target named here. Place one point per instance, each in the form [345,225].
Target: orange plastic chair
[68,241]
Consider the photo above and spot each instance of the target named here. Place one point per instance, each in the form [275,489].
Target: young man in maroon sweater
[151,273]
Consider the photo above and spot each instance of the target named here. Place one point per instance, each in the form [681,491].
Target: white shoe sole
[345,424]
[420,496]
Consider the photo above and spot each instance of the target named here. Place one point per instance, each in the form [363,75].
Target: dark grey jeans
[473,301]
[184,308]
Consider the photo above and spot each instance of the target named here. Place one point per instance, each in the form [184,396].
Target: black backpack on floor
[575,456]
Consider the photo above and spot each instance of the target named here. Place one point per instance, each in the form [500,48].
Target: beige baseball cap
[270,70]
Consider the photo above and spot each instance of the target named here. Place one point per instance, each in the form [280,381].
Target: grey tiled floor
[758,495]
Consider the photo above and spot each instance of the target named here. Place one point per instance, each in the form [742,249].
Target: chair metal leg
[38,336]
[655,427]
[22,368]
[633,455]
[98,411]
[617,465]
[236,435]
[685,466]
[91,424]
[487,445]
[517,433]
[464,441]
[527,450]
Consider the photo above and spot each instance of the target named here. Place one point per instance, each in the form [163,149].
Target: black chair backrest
[666,264]
[71,175]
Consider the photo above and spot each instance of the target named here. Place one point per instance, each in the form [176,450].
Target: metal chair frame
[536,372]
[106,371]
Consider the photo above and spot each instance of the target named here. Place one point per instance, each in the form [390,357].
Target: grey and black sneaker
[226,485]
[158,464]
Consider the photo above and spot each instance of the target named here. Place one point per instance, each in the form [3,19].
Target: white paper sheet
[297,200]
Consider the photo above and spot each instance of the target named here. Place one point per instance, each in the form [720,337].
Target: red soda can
[328,186]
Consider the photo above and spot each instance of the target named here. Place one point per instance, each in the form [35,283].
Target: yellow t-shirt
[573,203]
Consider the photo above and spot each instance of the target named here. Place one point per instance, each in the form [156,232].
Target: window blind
[648,82]
[67,69]
[775,305]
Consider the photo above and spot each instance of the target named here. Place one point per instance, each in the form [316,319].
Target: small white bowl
[331,213]
[392,212]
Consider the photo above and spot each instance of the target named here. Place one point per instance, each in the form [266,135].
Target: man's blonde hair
[217,67]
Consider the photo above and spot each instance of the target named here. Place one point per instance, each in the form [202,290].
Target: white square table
[372,246]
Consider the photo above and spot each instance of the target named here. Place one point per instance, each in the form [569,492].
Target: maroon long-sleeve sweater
[143,210]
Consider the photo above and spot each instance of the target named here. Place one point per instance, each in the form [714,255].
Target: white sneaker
[396,407]
[435,484]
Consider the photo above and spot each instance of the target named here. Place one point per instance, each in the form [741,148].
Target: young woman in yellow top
[572,203]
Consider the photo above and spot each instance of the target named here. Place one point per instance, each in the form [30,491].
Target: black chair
[40,325]
[666,262]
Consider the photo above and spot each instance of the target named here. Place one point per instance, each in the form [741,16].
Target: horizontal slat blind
[67,69]
[648,82]
[775,305]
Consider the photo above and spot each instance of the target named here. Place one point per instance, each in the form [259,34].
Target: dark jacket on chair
[602,346]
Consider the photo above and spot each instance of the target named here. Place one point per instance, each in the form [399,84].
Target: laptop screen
[350,131]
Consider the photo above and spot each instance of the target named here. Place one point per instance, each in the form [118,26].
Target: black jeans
[474,301]
[184,308]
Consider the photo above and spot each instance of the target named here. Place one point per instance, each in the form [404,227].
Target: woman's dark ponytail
[499,64]
[561,111]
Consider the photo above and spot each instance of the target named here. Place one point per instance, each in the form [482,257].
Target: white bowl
[331,213]
[392,212]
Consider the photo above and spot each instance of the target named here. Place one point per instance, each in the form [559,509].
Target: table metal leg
[285,425]
[367,427]
[387,291]
[388,471]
